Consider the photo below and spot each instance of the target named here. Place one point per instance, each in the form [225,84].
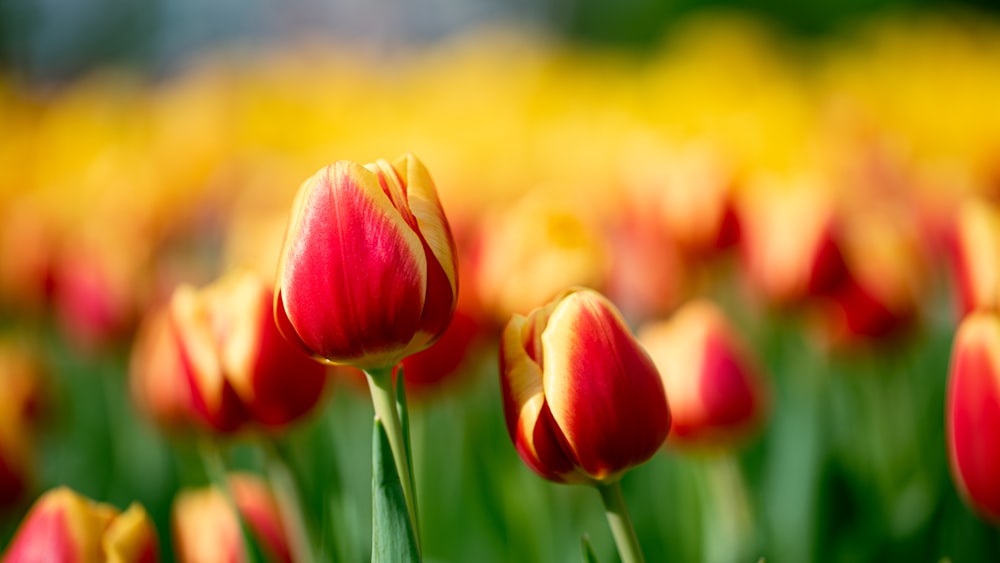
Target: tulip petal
[442,282]
[529,421]
[131,538]
[345,228]
[601,386]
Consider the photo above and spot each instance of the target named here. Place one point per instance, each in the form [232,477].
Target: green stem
[620,523]
[289,507]
[384,401]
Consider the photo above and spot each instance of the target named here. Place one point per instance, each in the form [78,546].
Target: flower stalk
[620,522]
[380,385]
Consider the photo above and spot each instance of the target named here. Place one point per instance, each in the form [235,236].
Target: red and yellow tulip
[582,399]
[206,530]
[368,272]
[216,356]
[64,527]
[973,412]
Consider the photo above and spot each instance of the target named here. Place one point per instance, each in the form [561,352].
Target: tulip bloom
[216,354]
[367,274]
[207,531]
[712,383]
[582,399]
[973,412]
[975,259]
[64,527]
[790,250]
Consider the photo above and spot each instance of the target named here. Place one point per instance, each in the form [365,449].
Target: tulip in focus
[64,527]
[716,395]
[368,270]
[972,414]
[207,531]
[216,356]
[582,399]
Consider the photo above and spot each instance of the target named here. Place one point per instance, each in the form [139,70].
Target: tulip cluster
[748,230]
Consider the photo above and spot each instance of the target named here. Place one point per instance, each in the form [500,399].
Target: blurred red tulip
[64,527]
[217,353]
[429,369]
[715,394]
[976,258]
[883,283]
[973,412]
[582,399]
[206,530]
[368,271]
[790,251]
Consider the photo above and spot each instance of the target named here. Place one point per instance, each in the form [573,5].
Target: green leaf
[588,550]
[393,539]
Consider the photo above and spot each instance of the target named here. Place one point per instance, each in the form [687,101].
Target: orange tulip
[368,271]
[582,399]
[64,527]
[207,531]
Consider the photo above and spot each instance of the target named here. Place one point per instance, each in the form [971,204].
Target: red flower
[368,271]
[216,356]
[64,527]
[582,399]
[973,412]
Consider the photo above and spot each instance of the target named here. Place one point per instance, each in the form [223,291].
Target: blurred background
[825,172]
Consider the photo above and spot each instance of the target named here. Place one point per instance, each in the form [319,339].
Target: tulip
[975,258]
[64,527]
[217,355]
[367,274]
[973,412]
[715,393]
[206,530]
[790,250]
[884,277]
[583,401]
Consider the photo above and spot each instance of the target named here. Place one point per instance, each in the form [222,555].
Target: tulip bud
[207,531]
[582,399]
[218,355]
[368,272]
[716,396]
[973,412]
[63,526]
